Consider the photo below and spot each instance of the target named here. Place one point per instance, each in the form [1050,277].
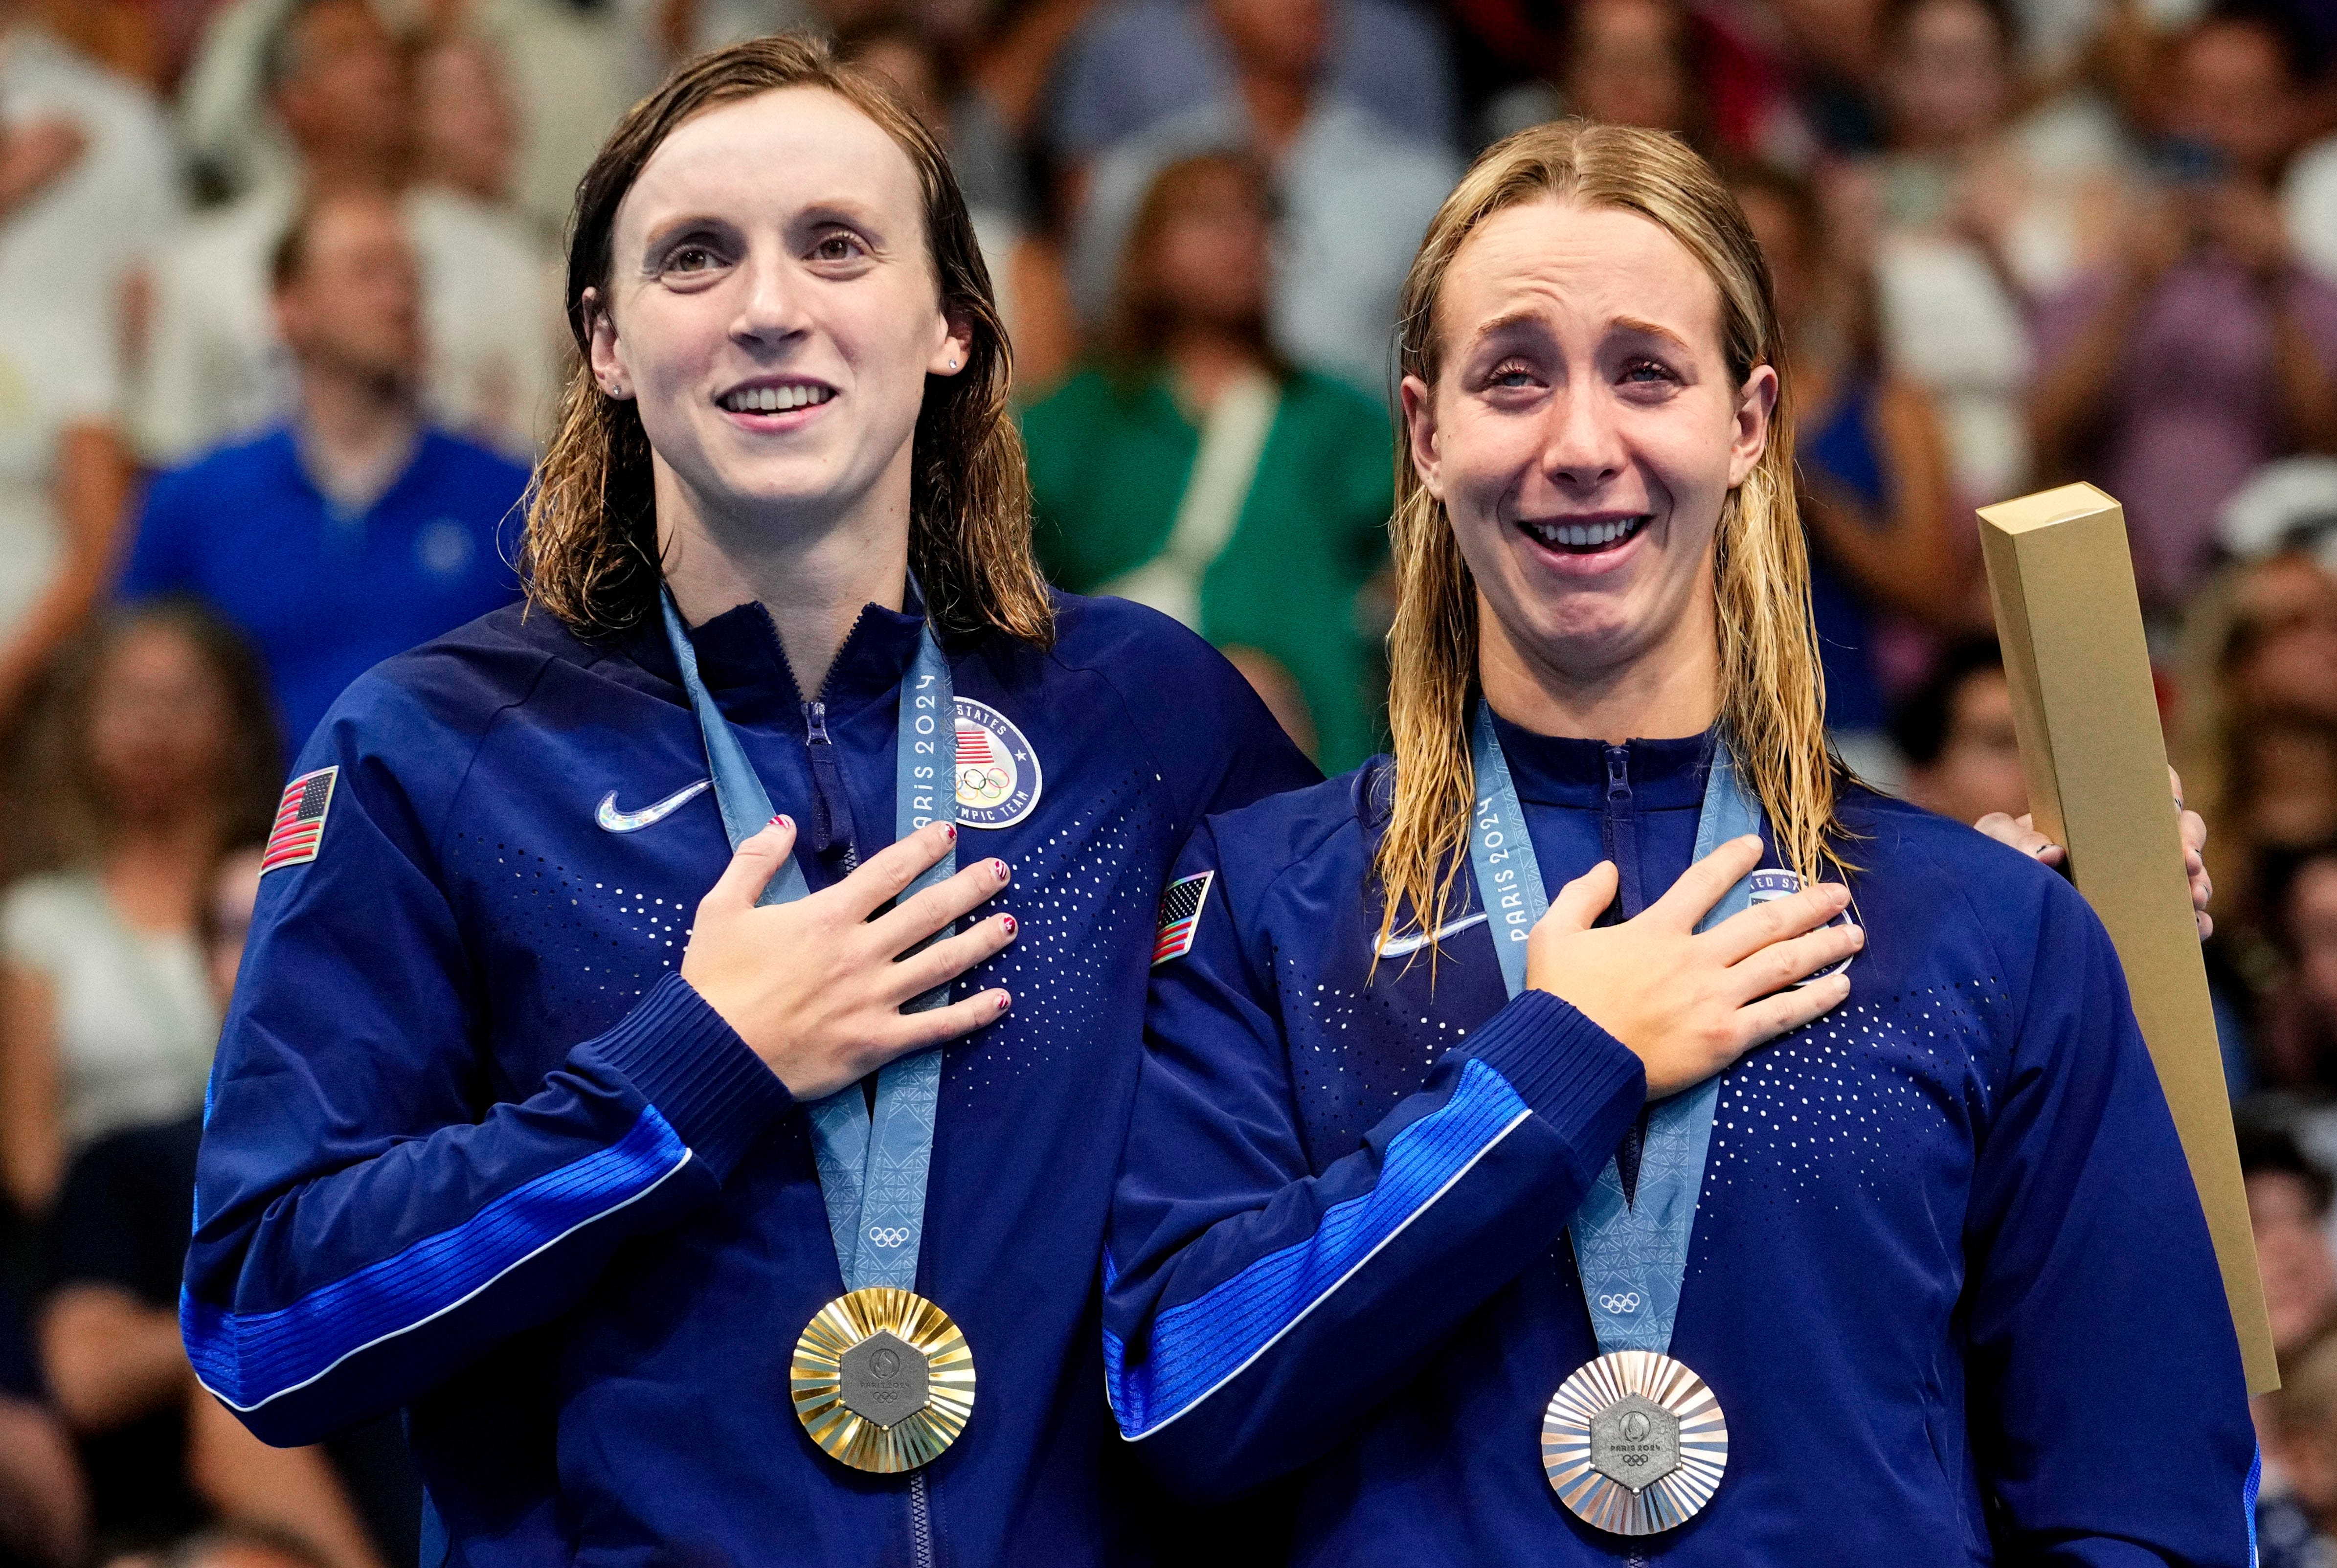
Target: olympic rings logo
[984,784]
[1626,1302]
[889,1235]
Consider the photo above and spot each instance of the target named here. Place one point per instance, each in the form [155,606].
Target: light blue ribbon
[1632,1255]
[872,1176]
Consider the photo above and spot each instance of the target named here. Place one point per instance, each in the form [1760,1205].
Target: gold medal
[1633,1443]
[883,1380]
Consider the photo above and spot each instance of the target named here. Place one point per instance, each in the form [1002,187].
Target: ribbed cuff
[1573,1074]
[692,1066]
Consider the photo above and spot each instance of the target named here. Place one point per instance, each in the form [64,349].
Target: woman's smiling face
[1583,434]
[773,309]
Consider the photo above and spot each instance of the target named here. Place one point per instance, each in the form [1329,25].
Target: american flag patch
[299,820]
[1180,913]
[974,749]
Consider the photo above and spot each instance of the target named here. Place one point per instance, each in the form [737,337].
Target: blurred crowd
[280,329]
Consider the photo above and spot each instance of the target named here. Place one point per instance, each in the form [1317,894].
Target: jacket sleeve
[374,1207]
[2109,1412]
[1256,1307]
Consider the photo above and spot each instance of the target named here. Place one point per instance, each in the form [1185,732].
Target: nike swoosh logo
[1397,947]
[615,821]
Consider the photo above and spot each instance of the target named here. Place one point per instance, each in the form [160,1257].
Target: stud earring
[953,361]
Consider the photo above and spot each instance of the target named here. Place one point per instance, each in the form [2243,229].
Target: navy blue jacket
[475,1150]
[1948,1278]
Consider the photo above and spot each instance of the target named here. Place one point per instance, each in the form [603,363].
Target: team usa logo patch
[1181,915]
[1769,885]
[998,775]
[299,820]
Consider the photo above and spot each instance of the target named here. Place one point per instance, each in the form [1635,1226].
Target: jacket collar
[1565,770]
[741,661]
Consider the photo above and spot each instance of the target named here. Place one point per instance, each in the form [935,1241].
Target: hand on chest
[1895,1081]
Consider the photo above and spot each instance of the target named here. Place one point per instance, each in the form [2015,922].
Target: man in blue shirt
[356,530]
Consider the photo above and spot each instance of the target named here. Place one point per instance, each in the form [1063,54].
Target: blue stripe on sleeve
[2248,1501]
[1201,1345]
[249,1360]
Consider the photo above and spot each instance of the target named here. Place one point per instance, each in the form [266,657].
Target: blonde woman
[1485,1216]
[521,1128]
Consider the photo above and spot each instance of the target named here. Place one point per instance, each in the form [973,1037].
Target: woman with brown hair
[1188,467]
[1531,1235]
[661,1210]
[155,751]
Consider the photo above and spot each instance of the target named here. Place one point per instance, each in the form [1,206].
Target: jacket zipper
[1621,831]
[921,1522]
[832,823]
[831,805]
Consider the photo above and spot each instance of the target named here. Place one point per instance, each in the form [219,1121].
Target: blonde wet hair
[1772,694]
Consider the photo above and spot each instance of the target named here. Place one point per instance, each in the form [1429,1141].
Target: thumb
[1580,902]
[752,865]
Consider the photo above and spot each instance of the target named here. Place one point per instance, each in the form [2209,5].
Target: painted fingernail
[997,868]
[780,822]
[949,831]
[1002,1000]
[1010,924]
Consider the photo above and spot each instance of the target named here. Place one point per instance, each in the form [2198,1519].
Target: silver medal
[1633,1443]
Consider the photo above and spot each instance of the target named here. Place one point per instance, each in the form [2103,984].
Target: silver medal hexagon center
[1635,1441]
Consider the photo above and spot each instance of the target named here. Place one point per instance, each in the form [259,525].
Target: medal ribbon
[872,1173]
[1632,1254]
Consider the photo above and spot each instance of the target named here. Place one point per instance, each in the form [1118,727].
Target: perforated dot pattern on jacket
[583,945]
[1843,1104]
[1084,898]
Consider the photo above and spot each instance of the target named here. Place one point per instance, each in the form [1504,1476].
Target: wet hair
[589,554]
[1772,693]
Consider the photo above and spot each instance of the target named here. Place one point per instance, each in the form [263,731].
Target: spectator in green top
[1190,467]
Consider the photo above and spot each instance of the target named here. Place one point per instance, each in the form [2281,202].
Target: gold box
[2062,581]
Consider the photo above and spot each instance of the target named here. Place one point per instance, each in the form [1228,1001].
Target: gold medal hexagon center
[855,1383]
